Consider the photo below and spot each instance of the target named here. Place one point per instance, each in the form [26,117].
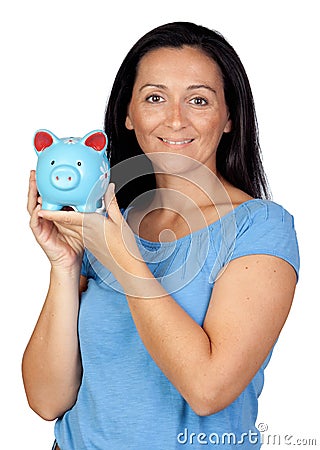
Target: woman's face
[178,105]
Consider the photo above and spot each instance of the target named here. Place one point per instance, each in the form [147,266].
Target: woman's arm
[51,364]
[212,365]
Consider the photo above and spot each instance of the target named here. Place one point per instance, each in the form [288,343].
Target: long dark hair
[238,153]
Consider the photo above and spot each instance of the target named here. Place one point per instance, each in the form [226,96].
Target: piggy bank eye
[79,163]
[52,162]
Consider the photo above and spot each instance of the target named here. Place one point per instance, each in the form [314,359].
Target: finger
[34,220]
[32,192]
[67,218]
[109,194]
[111,204]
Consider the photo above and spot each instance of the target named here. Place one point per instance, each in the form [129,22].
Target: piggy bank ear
[43,139]
[96,139]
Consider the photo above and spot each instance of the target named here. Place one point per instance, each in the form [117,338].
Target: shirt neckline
[157,244]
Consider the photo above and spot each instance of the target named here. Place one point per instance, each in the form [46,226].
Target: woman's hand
[109,239]
[63,249]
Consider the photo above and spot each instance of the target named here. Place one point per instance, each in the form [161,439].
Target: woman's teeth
[167,141]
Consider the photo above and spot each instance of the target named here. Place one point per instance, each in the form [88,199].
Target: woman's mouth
[176,142]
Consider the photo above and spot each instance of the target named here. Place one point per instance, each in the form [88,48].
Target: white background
[58,62]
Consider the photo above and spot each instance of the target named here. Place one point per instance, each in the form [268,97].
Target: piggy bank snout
[65,177]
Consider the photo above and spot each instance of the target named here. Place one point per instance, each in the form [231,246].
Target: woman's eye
[154,98]
[199,101]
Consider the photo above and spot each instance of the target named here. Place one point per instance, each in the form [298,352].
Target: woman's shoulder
[246,207]
[264,211]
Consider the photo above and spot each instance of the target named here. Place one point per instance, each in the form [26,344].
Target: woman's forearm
[51,363]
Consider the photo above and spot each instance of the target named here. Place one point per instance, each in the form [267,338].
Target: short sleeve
[267,228]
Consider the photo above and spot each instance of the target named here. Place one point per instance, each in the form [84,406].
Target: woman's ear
[228,126]
[128,123]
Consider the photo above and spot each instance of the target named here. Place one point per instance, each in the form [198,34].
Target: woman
[185,288]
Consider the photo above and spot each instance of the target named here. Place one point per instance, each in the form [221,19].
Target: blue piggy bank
[72,171]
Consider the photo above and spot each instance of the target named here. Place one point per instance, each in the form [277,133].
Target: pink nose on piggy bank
[65,177]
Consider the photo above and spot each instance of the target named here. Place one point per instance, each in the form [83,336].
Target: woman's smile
[178,142]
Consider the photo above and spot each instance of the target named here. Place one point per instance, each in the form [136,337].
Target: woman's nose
[176,116]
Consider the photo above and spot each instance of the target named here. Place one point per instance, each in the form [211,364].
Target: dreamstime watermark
[231,438]
[258,436]
[285,439]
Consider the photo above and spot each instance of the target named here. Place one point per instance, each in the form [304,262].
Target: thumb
[111,204]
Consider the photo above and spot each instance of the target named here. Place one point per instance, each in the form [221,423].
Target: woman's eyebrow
[201,86]
[158,86]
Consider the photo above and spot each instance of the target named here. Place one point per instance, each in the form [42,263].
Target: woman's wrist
[138,282]
[66,272]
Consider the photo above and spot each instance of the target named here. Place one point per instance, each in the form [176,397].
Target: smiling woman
[185,288]
[238,154]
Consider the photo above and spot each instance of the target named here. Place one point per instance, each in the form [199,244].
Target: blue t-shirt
[125,402]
